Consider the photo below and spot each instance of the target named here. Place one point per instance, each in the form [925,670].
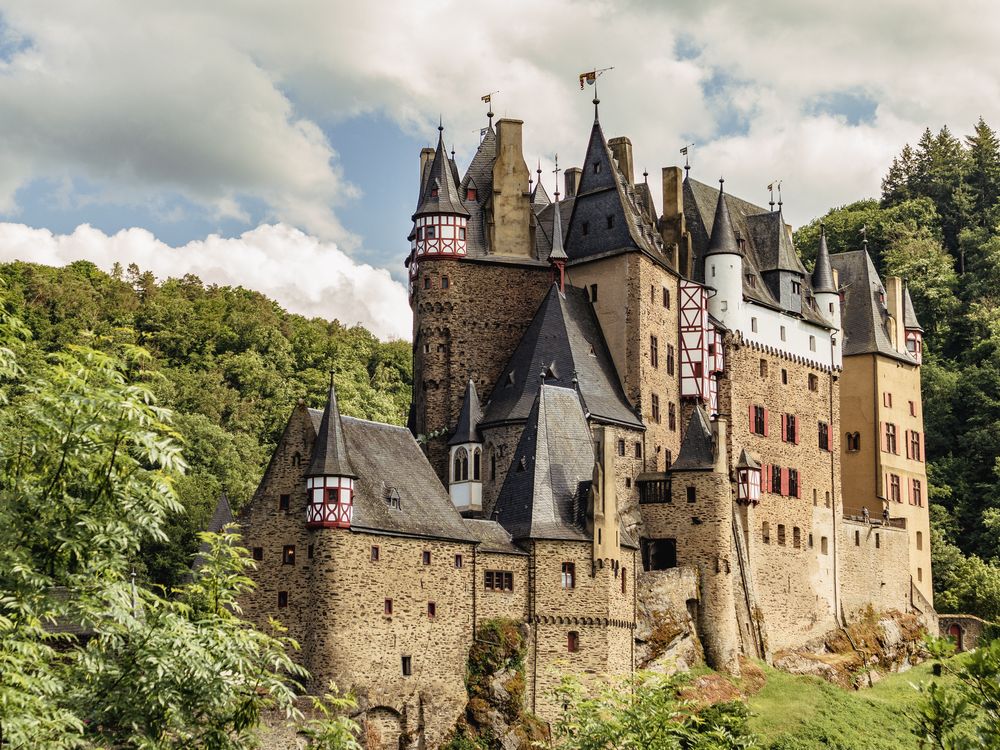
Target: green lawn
[794,712]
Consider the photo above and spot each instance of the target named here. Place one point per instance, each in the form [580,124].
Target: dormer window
[751,281]
[611,221]
[471,194]
[597,167]
[434,192]
[796,287]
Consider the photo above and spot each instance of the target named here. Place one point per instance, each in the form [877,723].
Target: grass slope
[795,712]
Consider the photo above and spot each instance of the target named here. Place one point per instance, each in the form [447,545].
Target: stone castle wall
[874,568]
[509,604]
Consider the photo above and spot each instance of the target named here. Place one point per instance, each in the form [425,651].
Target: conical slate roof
[747,461]
[441,194]
[467,430]
[557,253]
[909,315]
[329,454]
[698,446]
[723,236]
[822,277]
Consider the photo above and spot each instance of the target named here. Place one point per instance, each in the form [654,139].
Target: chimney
[719,426]
[426,157]
[621,149]
[672,226]
[894,302]
[572,179]
[511,230]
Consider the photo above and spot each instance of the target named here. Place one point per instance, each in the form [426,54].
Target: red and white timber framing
[701,346]
[331,502]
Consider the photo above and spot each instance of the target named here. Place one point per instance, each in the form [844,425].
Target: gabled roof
[222,515]
[390,465]
[544,495]
[492,536]
[746,461]
[775,251]
[329,455]
[440,189]
[605,192]
[467,429]
[697,451]
[563,338]
[822,275]
[909,314]
[864,314]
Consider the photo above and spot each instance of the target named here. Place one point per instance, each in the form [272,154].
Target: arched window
[853,441]
[297,459]
[460,469]
[476,460]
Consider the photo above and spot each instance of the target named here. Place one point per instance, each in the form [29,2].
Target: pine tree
[896,185]
[983,177]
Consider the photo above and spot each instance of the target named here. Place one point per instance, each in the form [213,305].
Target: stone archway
[383,729]
[955,631]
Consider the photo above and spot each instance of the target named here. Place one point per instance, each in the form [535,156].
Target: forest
[230,363]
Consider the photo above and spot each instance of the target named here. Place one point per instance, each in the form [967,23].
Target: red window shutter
[923,455]
[906,439]
[798,485]
[766,418]
[797,431]
[884,437]
[784,481]
[784,427]
[909,490]
[751,419]
[765,478]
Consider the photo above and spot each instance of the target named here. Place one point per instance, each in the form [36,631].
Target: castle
[611,400]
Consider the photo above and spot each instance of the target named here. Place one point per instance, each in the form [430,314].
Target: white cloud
[304,274]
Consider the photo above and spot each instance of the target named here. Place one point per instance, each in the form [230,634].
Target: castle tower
[724,267]
[465,456]
[824,284]
[557,256]
[913,332]
[330,479]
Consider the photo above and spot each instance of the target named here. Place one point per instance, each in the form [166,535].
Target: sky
[275,145]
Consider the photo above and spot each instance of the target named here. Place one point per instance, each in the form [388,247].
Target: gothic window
[476,460]
[460,468]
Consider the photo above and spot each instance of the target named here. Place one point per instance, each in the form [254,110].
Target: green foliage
[645,712]
[230,363]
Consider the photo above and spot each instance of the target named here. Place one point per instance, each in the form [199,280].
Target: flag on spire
[488,98]
[590,78]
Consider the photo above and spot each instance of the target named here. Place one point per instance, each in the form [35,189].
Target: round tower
[724,267]
[824,284]
[330,478]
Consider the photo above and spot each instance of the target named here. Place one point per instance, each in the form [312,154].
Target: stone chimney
[572,180]
[426,157]
[621,149]
[672,226]
[511,230]
[894,302]
[719,428]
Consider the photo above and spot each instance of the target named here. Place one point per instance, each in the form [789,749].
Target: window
[759,425]
[781,534]
[784,376]
[878,541]
[796,287]
[783,333]
[431,609]
[659,554]
[776,480]
[597,167]
[810,541]
[407,666]
[666,298]
[460,469]
[672,416]
[853,441]
[828,499]
[812,343]
[288,554]
[790,431]
[915,445]
[753,324]
[920,574]
[793,482]
[427,282]
[282,599]
[624,569]
[434,192]
[813,382]
[654,491]
[655,403]
[824,545]
[824,436]
[913,409]
[751,280]
[444,280]
[887,399]
[309,551]
[918,498]
[427,348]
[765,532]
[815,497]
[498,580]
[458,561]
[894,493]
[857,538]
[638,449]
[611,221]
[429,233]
[284,501]
[374,557]
[569,575]
[763,368]
[621,447]
[426,557]
[258,553]
[387,607]
[796,537]
[573,641]
[890,438]
[476,460]
[691,494]
[493,467]
[670,359]
[593,287]
[297,457]
[920,540]
[654,351]
[470,194]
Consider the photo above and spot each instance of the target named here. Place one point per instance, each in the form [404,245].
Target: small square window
[407,666]
[282,599]
[445,282]
[426,557]
[288,554]
[284,501]
[573,641]
[691,495]
[387,607]
[458,561]
[310,550]
[638,449]
[375,553]
[431,609]
[258,553]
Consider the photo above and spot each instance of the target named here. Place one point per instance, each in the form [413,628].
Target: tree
[983,177]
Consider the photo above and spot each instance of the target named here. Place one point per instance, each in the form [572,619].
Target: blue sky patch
[854,106]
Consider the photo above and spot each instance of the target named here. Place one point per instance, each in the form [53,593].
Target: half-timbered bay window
[331,501]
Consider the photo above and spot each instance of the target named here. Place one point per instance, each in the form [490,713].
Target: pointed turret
[913,331]
[747,479]
[330,478]
[723,241]
[557,256]
[822,276]
[466,455]
[697,451]
[441,218]
[724,267]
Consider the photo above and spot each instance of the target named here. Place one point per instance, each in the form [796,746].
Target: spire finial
[645,176]
[864,237]
[453,152]
[556,173]
[722,182]
[440,123]
[822,228]
[770,189]
[597,101]
[779,195]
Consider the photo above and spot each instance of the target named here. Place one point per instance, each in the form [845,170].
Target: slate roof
[768,243]
[822,275]
[442,176]
[723,240]
[492,536]
[545,492]
[865,326]
[909,314]
[479,176]
[563,338]
[388,459]
[329,455]
[539,196]
[544,225]
[557,252]
[746,461]
[222,515]
[697,451]
[469,417]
